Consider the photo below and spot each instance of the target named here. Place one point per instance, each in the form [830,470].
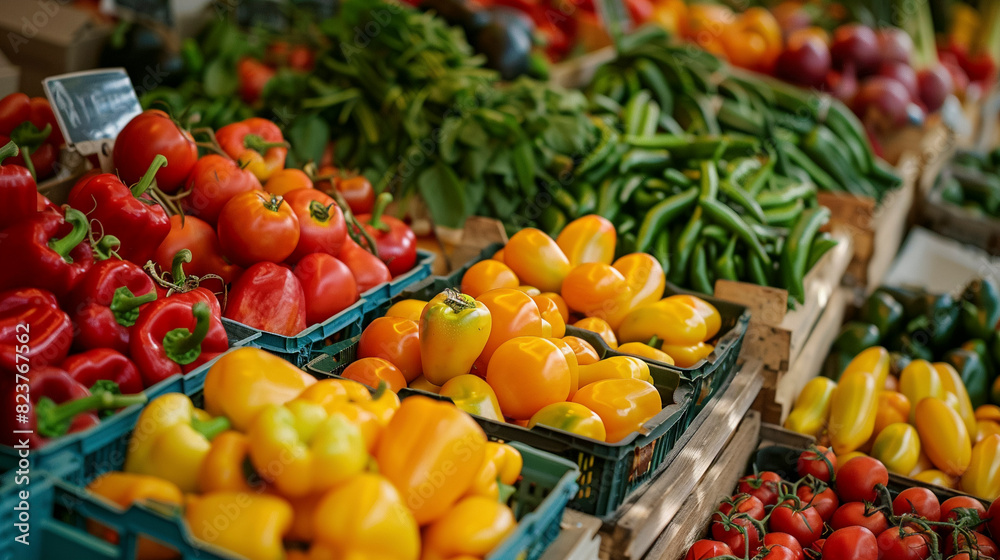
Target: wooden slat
[578,539]
[643,518]
[717,484]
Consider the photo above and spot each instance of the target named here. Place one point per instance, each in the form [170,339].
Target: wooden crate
[957,222]
[777,335]
[638,523]
[578,538]
[877,230]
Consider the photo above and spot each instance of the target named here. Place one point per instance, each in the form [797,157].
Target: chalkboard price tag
[92,107]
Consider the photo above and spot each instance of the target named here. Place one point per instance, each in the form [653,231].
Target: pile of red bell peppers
[31,124]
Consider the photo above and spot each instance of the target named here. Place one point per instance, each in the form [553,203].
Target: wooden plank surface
[717,484]
[578,540]
[643,518]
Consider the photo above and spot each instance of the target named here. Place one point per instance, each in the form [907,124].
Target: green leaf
[220,80]
[474,193]
[308,136]
[443,194]
[473,134]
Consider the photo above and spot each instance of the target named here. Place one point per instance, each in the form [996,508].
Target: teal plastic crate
[609,472]
[60,509]
[300,348]
[83,455]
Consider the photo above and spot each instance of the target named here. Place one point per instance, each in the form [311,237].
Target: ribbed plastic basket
[299,349]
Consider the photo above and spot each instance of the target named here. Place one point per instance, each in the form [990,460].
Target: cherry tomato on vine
[805,524]
[826,502]
[918,501]
[358,193]
[776,552]
[856,543]
[704,549]
[787,541]
[994,516]
[257,226]
[812,463]
[953,508]
[742,503]
[984,546]
[151,133]
[857,513]
[730,530]
[764,486]
[322,228]
[903,543]
[857,479]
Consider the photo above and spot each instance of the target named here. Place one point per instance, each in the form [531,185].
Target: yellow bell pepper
[422,384]
[125,489]
[454,329]
[498,256]
[473,527]
[918,381]
[537,259]
[364,519]
[952,384]
[601,327]
[502,466]
[852,413]
[944,437]
[304,518]
[473,395]
[224,466]
[871,361]
[624,405]
[171,440]
[923,463]
[551,315]
[585,353]
[988,412]
[708,312]
[571,417]
[934,476]
[598,290]
[643,350]
[892,407]
[246,380]
[688,356]
[588,239]
[984,429]
[355,402]
[574,367]
[644,277]
[410,309]
[302,449]
[982,478]
[615,367]
[251,525]
[431,452]
[672,321]
[812,407]
[898,447]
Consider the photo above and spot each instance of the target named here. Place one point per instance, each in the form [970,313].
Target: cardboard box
[49,37]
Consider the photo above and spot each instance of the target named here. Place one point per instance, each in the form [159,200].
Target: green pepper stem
[654,342]
[458,301]
[381,202]
[274,204]
[177,266]
[210,428]
[9,150]
[183,346]
[125,305]
[62,415]
[80,230]
[105,247]
[30,165]
[258,144]
[159,161]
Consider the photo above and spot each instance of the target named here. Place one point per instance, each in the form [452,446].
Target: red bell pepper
[105,303]
[182,286]
[18,191]
[104,364]
[43,204]
[59,405]
[32,125]
[47,251]
[256,144]
[395,242]
[367,269]
[268,297]
[173,336]
[126,213]
[34,332]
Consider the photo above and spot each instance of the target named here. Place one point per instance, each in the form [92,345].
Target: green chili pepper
[725,267]
[795,256]
[659,216]
[821,246]
[686,241]
[727,218]
[785,196]
[661,250]
[743,198]
[698,274]
[709,180]
[784,215]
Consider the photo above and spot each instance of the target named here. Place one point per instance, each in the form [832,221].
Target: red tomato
[855,513]
[255,227]
[195,235]
[328,284]
[704,549]
[812,463]
[727,532]
[960,506]
[776,552]
[818,547]
[764,486]
[857,479]
[322,228]
[214,180]
[804,524]
[253,78]
[855,543]
[741,503]
[983,545]
[14,110]
[396,340]
[918,501]
[994,516]
[358,193]
[787,541]
[302,58]
[825,502]
[148,134]
[903,543]
[368,270]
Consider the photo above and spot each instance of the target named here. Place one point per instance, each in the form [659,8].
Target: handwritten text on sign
[92,107]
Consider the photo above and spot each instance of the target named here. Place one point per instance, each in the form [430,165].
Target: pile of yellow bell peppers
[498,348]
[279,465]
[920,425]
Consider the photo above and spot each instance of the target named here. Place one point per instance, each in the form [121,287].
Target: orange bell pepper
[375,371]
[571,417]
[588,239]
[706,25]
[615,367]
[585,353]
[474,527]
[125,489]
[943,434]
[624,405]
[644,277]
[598,290]
[395,340]
[455,329]
[431,452]
[574,365]
[422,384]
[355,401]
[560,304]
[223,469]
[755,40]
[407,309]
[488,275]
[551,314]
[513,313]
[601,327]
[537,259]
[254,523]
[502,466]
[528,373]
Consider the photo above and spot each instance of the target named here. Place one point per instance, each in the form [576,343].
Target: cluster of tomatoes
[845,513]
